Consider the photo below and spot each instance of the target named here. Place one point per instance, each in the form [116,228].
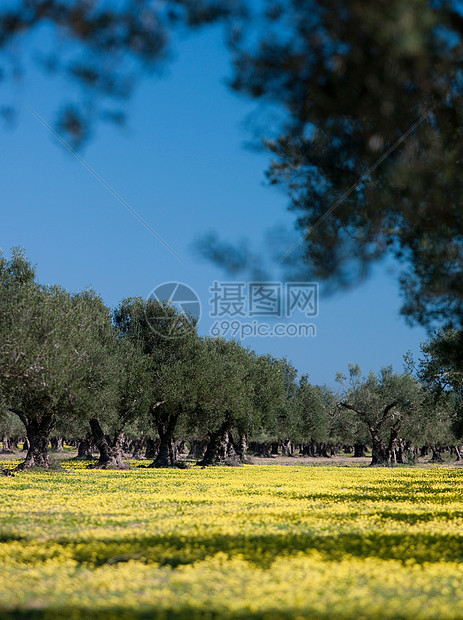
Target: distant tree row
[141,377]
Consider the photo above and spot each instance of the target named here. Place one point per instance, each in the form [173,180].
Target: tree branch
[158,404]
[347,406]
[386,412]
[20,415]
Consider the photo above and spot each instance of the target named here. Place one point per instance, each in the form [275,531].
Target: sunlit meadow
[251,542]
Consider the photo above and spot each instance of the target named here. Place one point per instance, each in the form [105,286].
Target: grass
[262,541]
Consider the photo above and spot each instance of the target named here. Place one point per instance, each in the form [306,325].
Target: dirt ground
[334,461]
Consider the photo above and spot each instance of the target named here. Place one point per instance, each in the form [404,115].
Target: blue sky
[182,165]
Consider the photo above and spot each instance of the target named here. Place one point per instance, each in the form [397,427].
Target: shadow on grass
[152,613]
[260,550]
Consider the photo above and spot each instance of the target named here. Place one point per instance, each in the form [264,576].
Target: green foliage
[441,370]
[384,402]
[61,360]
[227,387]
[314,406]
[285,422]
[170,341]
[64,363]
[46,339]
[102,49]
[361,115]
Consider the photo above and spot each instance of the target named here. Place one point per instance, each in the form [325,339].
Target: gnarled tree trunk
[182,448]
[7,445]
[380,455]
[241,447]
[220,449]
[138,447]
[287,448]
[152,448]
[402,451]
[394,441]
[57,444]
[166,421]
[110,451]
[261,449]
[38,435]
[322,450]
[359,450]
[197,448]
[84,449]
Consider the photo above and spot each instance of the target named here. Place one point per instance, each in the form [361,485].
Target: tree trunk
[458,452]
[57,444]
[380,456]
[197,449]
[151,448]
[38,435]
[240,449]
[138,446]
[322,450]
[218,448]
[359,450]
[262,450]
[166,422]
[436,454]
[84,449]
[402,450]
[7,446]
[313,448]
[287,448]
[394,441]
[167,453]
[304,450]
[182,448]
[275,448]
[424,451]
[110,451]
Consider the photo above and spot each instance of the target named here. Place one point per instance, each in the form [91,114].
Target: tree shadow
[262,550]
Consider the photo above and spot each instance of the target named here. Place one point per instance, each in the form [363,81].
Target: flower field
[268,541]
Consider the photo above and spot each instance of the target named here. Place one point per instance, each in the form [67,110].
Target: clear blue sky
[182,165]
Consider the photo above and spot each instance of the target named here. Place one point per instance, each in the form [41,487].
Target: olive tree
[49,353]
[124,405]
[238,391]
[286,418]
[364,137]
[441,371]
[314,406]
[384,403]
[169,338]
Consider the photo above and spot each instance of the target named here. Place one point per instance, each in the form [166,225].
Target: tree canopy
[360,111]
[52,366]
[366,138]
[385,404]
[70,367]
[101,49]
